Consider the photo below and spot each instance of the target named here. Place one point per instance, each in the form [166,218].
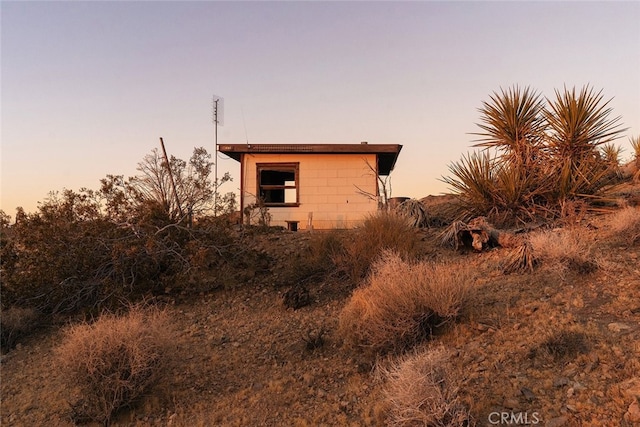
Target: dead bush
[114,361]
[563,344]
[403,302]
[17,323]
[625,225]
[564,250]
[420,390]
[381,231]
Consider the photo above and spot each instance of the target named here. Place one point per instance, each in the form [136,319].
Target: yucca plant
[578,124]
[473,183]
[545,155]
[508,184]
[635,145]
[513,123]
[611,156]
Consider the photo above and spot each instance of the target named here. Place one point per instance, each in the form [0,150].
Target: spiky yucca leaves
[497,188]
[510,184]
[545,155]
[473,183]
[635,145]
[578,124]
[611,157]
[513,123]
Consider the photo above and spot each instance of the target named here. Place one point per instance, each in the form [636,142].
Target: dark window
[278,183]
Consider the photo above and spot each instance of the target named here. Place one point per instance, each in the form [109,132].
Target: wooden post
[173,184]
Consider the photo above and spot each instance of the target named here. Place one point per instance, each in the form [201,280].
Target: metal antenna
[245,126]
[218,119]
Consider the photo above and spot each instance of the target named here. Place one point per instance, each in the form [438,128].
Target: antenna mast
[218,119]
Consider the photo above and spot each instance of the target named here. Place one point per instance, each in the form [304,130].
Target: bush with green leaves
[91,249]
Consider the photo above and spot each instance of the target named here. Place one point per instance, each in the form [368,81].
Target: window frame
[280,167]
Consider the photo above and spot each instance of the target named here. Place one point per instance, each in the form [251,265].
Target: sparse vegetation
[114,361]
[402,303]
[263,354]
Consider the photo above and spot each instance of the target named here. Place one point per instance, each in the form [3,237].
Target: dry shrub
[114,361]
[420,390]
[564,344]
[520,260]
[625,225]
[381,231]
[563,250]
[402,302]
[17,323]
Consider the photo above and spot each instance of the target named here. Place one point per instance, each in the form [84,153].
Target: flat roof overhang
[387,153]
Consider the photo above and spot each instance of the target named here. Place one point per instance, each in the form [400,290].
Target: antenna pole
[215,155]
[218,113]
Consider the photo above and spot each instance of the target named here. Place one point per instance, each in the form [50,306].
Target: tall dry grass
[384,230]
[625,225]
[564,250]
[403,302]
[420,390]
[114,361]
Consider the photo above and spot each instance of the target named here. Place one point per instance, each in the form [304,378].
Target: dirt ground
[244,359]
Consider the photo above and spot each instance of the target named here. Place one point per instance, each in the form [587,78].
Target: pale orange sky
[89,87]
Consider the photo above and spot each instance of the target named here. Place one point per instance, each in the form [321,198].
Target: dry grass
[420,390]
[520,260]
[114,361]
[564,250]
[17,323]
[625,225]
[381,231]
[402,302]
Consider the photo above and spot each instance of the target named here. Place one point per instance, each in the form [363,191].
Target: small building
[312,186]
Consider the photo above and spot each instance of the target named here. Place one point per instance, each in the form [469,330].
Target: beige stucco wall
[327,188]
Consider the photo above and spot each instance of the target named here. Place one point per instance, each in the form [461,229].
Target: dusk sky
[89,87]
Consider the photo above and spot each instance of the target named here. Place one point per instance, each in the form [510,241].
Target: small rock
[559,382]
[528,394]
[511,403]
[631,387]
[570,392]
[557,422]
[633,413]
[321,393]
[307,379]
[577,386]
[618,327]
